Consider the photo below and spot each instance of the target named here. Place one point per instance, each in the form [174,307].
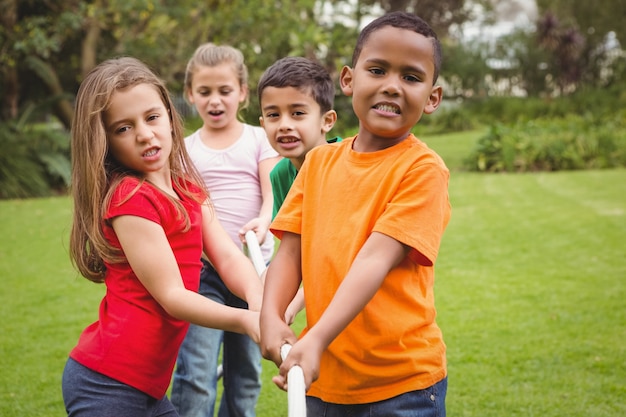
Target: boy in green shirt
[296,97]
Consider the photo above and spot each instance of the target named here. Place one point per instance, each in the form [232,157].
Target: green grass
[530,293]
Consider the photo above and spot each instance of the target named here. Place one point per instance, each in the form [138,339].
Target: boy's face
[293,122]
[391,86]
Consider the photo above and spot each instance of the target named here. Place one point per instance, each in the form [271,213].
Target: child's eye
[271,115]
[153,117]
[376,71]
[121,130]
[298,113]
[412,78]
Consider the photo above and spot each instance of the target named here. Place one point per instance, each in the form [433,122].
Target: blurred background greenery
[521,69]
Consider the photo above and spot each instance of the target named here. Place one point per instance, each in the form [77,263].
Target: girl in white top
[234,160]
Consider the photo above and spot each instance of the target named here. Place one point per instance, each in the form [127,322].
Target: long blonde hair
[95,172]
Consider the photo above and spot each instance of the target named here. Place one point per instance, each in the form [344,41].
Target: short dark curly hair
[400,20]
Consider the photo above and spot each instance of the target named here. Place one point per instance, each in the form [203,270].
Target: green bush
[450,117]
[600,103]
[569,143]
[35,160]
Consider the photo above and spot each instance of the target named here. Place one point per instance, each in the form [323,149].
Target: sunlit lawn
[530,293]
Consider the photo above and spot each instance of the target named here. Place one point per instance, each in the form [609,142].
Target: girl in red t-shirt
[142,220]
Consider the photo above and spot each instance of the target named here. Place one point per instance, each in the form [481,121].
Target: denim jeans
[87,393]
[429,402]
[194,388]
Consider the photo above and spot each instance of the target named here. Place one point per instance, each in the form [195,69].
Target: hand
[259,226]
[305,353]
[275,333]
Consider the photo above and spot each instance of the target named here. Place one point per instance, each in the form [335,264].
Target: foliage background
[47,47]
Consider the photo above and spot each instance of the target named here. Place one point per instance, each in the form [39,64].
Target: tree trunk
[62,107]
[10,99]
[89,46]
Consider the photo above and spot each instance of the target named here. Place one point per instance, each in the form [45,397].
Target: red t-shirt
[134,340]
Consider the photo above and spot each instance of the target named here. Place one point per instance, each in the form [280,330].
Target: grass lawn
[530,291]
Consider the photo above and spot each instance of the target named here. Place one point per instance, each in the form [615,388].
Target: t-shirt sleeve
[419,212]
[266,150]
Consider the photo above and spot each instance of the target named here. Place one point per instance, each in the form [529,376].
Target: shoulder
[192,138]
[422,153]
[282,167]
[128,186]
[134,196]
[254,132]
[330,149]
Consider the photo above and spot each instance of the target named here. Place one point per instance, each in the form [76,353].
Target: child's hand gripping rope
[295,378]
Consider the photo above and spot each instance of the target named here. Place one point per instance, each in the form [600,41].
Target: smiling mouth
[216,113]
[387,108]
[290,139]
[151,152]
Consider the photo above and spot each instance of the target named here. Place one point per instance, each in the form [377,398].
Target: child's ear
[189,95]
[345,81]
[434,100]
[261,122]
[244,93]
[328,120]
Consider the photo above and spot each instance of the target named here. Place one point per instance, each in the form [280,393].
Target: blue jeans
[87,393]
[194,388]
[429,402]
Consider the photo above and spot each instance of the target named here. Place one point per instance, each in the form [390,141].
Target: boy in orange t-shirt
[361,229]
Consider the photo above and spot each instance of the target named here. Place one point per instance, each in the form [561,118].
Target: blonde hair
[211,55]
[95,173]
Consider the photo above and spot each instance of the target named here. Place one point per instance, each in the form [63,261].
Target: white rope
[296,394]
[254,251]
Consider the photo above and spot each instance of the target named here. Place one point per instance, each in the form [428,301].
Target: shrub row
[35,160]
[569,143]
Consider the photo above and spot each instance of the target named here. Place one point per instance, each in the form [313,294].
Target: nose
[144,132]
[284,124]
[214,99]
[392,86]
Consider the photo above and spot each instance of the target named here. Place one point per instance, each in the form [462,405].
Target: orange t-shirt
[338,199]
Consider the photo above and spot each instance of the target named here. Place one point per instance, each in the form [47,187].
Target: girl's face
[217,94]
[139,130]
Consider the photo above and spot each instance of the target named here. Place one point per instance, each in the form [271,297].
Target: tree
[583,30]
[440,14]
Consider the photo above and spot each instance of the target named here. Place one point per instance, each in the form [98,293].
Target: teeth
[151,152]
[388,108]
[288,140]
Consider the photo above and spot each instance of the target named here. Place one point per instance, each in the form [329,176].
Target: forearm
[195,308]
[295,306]
[367,273]
[281,284]
[241,278]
